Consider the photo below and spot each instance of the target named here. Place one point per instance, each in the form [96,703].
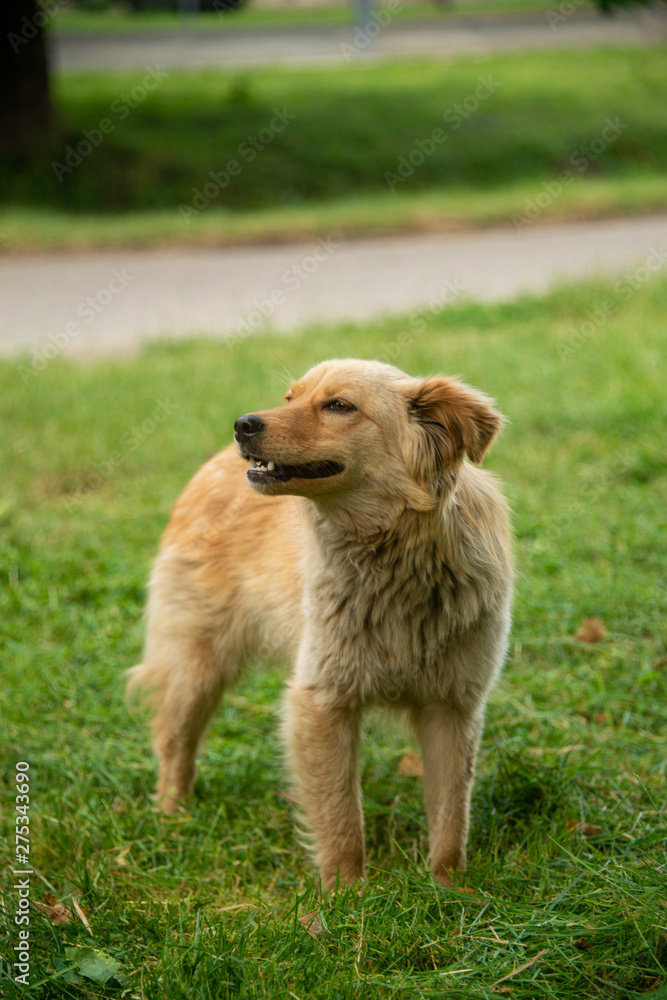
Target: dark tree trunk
[28,123]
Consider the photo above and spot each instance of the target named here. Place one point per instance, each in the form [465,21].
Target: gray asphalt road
[446,38]
[109,303]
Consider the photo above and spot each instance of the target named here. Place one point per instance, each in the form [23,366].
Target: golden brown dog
[347,533]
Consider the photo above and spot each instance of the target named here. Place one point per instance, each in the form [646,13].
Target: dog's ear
[452,419]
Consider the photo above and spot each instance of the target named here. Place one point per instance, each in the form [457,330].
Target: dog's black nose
[248,425]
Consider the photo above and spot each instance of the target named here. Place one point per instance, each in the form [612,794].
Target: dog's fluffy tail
[141,684]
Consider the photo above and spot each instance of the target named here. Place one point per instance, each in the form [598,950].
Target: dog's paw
[445,879]
[169,805]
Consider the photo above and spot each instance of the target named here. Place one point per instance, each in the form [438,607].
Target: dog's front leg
[449,741]
[323,741]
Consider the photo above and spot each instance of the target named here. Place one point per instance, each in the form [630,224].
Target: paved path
[442,38]
[108,303]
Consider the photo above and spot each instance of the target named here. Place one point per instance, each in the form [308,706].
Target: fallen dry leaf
[312,923]
[411,765]
[503,989]
[587,829]
[660,662]
[583,944]
[57,913]
[601,718]
[591,630]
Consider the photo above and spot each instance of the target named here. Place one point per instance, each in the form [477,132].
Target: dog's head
[366,435]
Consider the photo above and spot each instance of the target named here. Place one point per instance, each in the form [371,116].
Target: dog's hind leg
[185,680]
[449,740]
[186,705]
[193,652]
[323,741]
[194,649]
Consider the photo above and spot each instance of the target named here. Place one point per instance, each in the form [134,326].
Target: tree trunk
[28,122]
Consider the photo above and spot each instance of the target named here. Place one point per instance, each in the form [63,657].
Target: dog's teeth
[260,463]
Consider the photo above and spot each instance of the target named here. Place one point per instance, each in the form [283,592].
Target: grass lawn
[206,905]
[377,147]
[123,19]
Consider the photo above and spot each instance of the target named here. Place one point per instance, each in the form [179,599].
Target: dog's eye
[339,406]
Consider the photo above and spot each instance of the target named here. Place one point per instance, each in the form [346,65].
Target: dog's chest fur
[382,615]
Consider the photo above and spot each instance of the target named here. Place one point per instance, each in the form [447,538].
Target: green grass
[328,166]
[206,905]
[123,20]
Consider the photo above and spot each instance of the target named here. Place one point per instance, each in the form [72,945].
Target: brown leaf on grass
[312,923]
[660,662]
[411,765]
[601,718]
[591,630]
[57,913]
[503,989]
[583,944]
[586,829]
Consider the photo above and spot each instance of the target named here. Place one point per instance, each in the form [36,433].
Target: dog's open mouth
[266,470]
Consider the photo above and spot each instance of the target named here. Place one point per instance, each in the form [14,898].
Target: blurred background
[181,126]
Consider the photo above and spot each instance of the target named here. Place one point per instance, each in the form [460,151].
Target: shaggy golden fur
[372,556]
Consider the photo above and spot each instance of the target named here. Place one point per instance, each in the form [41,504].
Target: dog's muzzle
[247,431]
